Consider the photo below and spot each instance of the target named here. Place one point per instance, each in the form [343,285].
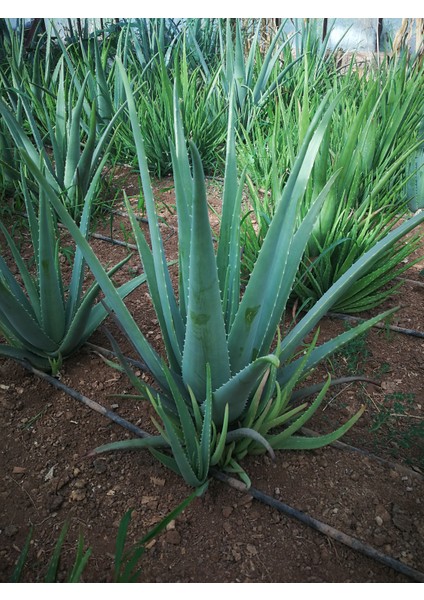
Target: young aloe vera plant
[223,391]
[77,149]
[40,322]
[252,85]
[370,143]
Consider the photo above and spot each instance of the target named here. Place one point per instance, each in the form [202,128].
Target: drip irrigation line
[105,238]
[344,317]
[301,516]
[109,414]
[109,353]
[122,213]
[402,469]
[328,530]
[410,281]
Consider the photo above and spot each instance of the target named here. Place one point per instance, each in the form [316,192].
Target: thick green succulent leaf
[85,166]
[50,280]
[297,249]
[321,352]
[205,449]
[277,439]
[296,442]
[160,303]
[154,441]
[169,306]
[18,133]
[236,391]
[268,287]
[188,468]
[74,141]
[22,324]
[205,339]
[24,355]
[115,302]
[32,303]
[336,291]
[246,432]
[78,267]
[184,199]
[228,255]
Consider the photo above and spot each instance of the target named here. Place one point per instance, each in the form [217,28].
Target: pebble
[77,495]
[56,503]
[173,537]
[226,511]
[99,466]
[382,513]
[380,538]
[10,530]
[226,526]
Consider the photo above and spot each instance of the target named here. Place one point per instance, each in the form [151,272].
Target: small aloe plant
[41,322]
[227,387]
[77,148]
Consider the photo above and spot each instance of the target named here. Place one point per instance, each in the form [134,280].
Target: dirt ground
[224,536]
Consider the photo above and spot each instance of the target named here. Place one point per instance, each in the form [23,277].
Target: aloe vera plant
[254,78]
[41,322]
[77,149]
[226,387]
[371,142]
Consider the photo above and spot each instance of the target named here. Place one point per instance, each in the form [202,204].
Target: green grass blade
[17,572]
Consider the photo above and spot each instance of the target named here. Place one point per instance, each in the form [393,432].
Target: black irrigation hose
[328,530]
[258,495]
[105,238]
[384,461]
[313,389]
[122,213]
[109,414]
[410,281]
[108,353]
[344,317]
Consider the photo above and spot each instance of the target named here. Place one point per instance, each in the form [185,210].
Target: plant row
[330,233]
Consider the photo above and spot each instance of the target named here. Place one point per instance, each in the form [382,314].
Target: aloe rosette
[226,388]
[43,324]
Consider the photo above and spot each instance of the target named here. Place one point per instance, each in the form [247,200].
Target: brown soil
[224,536]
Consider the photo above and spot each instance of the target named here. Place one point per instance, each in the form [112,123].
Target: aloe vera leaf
[78,267]
[228,252]
[184,462]
[184,199]
[330,297]
[160,302]
[32,303]
[25,355]
[206,434]
[321,352]
[236,391]
[50,282]
[257,305]
[115,302]
[205,339]
[169,304]
[309,443]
